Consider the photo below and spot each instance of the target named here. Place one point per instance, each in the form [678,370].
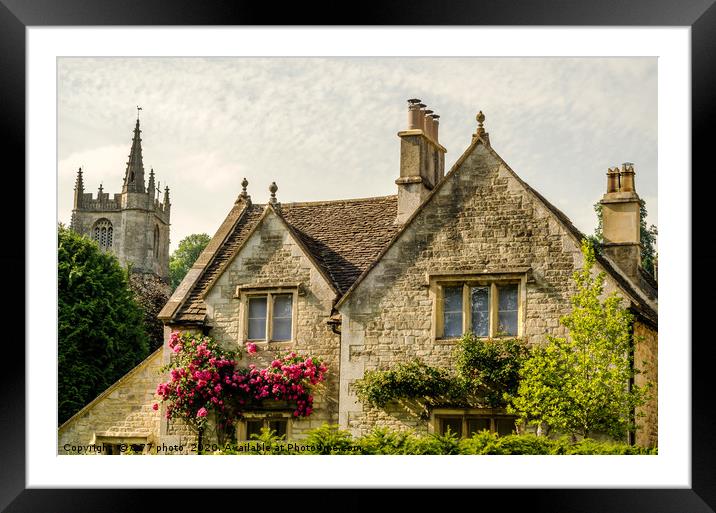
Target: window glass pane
[279,426]
[507,314]
[480,304]
[452,311]
[281,329]
[476,425]
[505,426]
[282,306]
[282,317]
[453,424]
[257,318]
[253,427]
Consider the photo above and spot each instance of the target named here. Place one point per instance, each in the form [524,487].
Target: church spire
[79,189]
[134,176]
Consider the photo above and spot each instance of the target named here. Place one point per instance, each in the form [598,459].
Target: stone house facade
[367,283]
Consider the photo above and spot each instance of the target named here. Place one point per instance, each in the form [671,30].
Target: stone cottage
[366,283]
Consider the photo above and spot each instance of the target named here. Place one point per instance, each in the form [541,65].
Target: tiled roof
[343,237]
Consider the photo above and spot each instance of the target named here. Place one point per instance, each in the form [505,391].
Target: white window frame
[438,281]
[248,293]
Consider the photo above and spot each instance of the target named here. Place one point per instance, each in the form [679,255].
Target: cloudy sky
[326,128]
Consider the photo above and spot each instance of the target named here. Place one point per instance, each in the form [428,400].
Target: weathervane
[138,109]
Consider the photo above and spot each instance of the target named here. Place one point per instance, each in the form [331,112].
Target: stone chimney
[621,220]
[422,159]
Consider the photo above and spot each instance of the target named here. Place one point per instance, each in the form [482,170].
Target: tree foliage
[101,334]
[185,255]
[581,384]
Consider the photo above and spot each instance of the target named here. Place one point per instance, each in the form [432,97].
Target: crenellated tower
[132,224]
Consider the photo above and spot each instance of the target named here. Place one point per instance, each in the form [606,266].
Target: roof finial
[481,133]
[138,109]
[244,196]
[480,120]
[272,189]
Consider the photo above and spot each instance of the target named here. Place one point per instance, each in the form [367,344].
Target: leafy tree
[581,384]
[647,235]
[100,329]
[185,255]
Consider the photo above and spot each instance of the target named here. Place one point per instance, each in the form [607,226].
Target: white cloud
[326,128]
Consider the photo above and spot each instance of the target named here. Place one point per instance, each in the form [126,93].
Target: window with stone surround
[102,233]
[466,423]
[269,315]
[488,305]
[253,423]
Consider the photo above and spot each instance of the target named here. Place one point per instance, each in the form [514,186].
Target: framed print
[371,267]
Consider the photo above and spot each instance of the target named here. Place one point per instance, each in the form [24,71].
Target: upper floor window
[269,316]
[102,232]
[485,306]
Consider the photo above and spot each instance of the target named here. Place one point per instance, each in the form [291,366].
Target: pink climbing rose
[202,412]
[251,348]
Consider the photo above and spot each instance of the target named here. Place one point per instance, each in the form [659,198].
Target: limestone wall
[646,360]
[123,410]
[481,220]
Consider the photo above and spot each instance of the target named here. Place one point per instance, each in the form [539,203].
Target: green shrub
[384,441]
[448,443]
[329,439]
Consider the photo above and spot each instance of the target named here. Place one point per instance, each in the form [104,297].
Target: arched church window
[103,234]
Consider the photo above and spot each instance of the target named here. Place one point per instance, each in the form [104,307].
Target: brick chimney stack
[422,159]
[621,220]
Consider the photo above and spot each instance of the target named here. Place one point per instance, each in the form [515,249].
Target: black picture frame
[17,15]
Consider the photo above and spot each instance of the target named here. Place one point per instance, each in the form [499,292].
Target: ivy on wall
[485,370]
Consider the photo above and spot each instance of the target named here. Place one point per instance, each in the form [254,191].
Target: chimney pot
[428,123]
[414,115]
[626,177]
[436,125]
[612,180]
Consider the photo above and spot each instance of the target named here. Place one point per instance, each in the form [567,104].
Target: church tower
[132,224]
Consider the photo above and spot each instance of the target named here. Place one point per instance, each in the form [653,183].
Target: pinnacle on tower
[150,185]
[166,198]
[79,189]
[134,176]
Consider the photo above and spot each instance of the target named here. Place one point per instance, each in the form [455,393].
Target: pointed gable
[341,238]
[480,166]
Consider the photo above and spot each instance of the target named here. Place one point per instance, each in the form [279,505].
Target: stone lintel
[273,287]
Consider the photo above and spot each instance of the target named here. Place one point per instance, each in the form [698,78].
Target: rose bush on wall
[204,380]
